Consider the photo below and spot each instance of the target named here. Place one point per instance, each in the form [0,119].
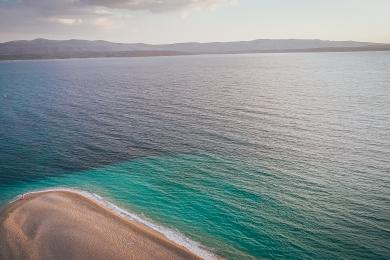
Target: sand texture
[67,225]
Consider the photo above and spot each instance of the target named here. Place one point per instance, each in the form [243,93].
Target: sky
[169,21]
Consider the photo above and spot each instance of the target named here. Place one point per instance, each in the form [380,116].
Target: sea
[244,156]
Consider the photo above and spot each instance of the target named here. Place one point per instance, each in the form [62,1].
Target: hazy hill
[259,45]
[43,48]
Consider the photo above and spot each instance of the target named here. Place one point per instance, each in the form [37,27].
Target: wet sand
[67,225]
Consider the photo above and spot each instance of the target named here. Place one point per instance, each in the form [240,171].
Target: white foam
[170,234]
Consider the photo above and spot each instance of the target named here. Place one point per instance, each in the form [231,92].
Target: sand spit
[67,225]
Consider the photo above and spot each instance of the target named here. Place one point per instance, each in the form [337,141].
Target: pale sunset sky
[168,21]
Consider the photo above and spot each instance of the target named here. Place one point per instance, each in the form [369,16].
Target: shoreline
[37,57]
[27,215]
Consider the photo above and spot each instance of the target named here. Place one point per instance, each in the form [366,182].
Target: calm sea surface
[254,156]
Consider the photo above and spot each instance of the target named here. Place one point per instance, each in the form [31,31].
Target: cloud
[67,21]
[153,5]
[57,16]
[89,6]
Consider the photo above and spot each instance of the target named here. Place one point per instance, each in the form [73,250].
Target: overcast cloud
[61,16]
[44,8]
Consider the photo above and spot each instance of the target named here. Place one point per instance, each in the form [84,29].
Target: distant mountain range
[47,49]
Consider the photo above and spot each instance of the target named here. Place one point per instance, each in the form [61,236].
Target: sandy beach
[68,225]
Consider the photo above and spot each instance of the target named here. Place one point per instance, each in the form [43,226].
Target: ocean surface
[276,156]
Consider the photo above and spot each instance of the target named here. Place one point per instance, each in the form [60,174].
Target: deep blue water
[254,156]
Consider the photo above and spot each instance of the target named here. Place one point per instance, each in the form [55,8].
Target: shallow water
[268,155]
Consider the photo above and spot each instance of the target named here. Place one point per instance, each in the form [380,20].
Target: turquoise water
[254,156]
[198,192]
